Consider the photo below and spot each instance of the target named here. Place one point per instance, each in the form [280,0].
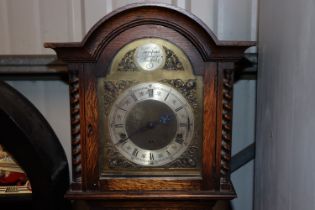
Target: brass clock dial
[151,124]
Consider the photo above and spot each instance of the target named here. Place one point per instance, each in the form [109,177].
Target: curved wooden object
[29,138]
[165,15]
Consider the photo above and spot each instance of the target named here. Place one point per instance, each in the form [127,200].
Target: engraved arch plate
[149,57]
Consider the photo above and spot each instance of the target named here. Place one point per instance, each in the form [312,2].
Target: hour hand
[122,140]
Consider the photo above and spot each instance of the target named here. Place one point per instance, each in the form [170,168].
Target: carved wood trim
[227,74]
[74,89]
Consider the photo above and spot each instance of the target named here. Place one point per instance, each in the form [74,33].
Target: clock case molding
[210,58]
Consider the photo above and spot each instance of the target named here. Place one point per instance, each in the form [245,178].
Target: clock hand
[148,126]
[121,141]
[164,119]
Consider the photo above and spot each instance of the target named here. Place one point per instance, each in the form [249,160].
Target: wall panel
[4,32]
[207,11]
[23,27]
[57,22]
[285,110]
[243,135]
[93,11]
[233,21]
[27,24]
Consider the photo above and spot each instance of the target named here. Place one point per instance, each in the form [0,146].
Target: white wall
[244,102]
[285,169]
[25,25]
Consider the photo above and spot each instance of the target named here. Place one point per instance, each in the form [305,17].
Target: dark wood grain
[150,195]
[152,205]
[209,124]
[151,184]
[91,145]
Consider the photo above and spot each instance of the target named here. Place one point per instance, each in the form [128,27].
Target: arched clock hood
[133,15]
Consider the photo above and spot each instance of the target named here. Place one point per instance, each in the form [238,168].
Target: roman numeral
[166,96]
[179,108]
[121,108]
[179,138]
[122,142]
[182,124]
[118,125]
[134,97]
[151,156]
[179,141]
[135,152]
[188,124]
[150,91]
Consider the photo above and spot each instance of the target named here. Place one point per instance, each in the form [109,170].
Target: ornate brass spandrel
[172,62]
[112,89]
[227,103]
[187,88]
[127,62]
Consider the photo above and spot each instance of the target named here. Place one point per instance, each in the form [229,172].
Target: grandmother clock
[151,109]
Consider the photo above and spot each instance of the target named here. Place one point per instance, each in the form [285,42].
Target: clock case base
[169,200]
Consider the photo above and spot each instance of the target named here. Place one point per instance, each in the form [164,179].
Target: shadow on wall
[223,205]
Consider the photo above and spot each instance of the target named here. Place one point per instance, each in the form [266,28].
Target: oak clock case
[151,103]
[151,110]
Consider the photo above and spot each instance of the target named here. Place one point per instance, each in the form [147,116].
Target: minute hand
[149,126]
